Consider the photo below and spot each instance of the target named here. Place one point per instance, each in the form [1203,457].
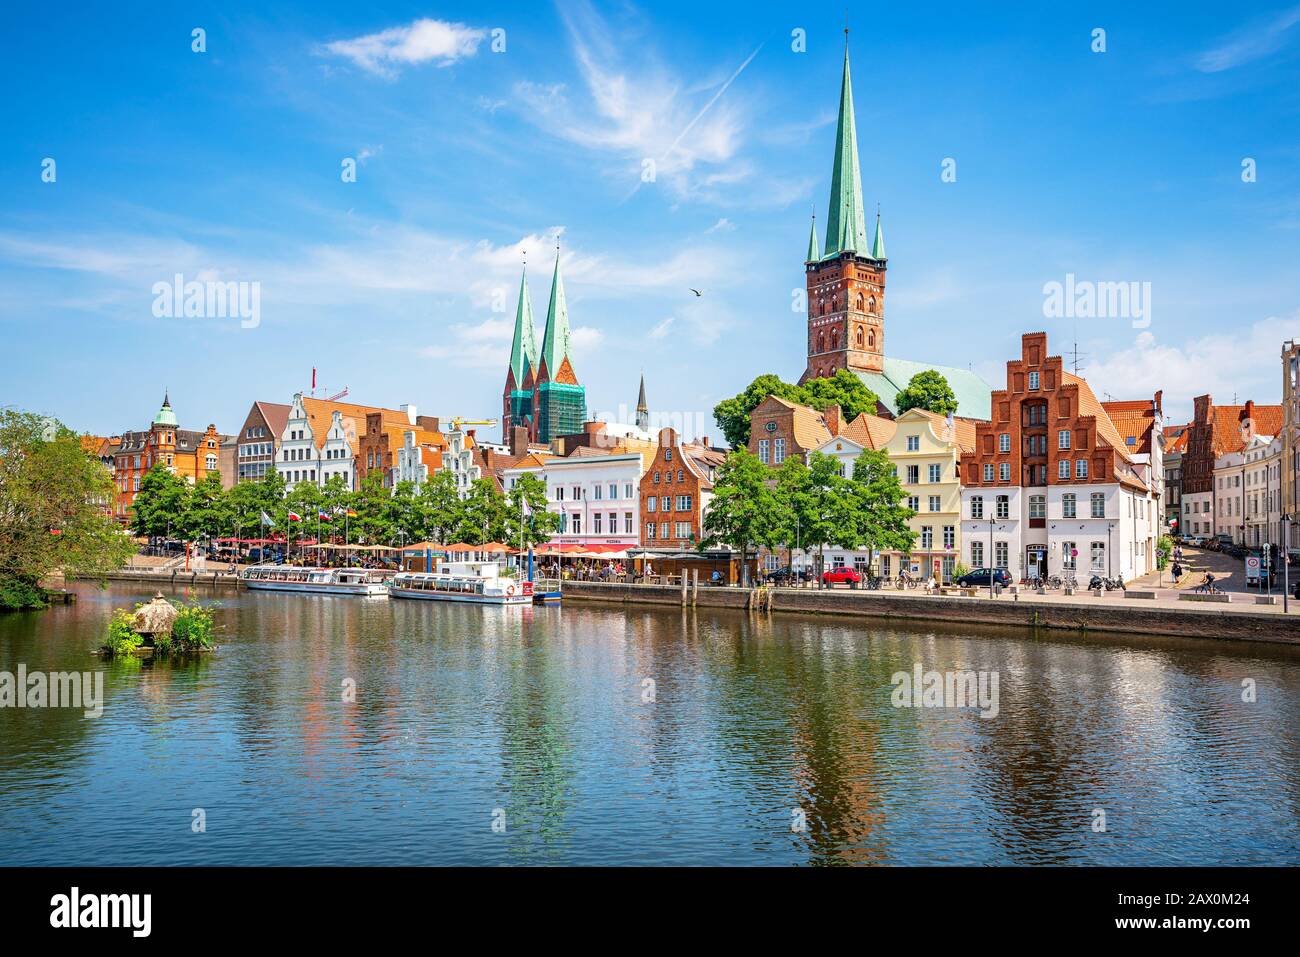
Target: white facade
[459,460]
[1198,515]
[1104,529]
[1248,491]
[412,461]
[596,496]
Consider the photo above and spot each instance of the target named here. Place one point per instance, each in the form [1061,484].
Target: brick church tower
[846,280]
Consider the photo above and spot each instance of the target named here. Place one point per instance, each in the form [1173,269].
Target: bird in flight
[697,292]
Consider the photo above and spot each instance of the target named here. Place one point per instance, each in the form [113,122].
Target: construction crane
[456,422]
[338,395]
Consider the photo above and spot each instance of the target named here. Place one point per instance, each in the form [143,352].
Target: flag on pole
[324,516]
[295,517]
[351,514]
[266,520]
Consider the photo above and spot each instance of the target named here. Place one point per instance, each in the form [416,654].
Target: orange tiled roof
[870,431]
[320,414]
[1088,405]
[963,429]
[1134,420]
[1228,420]
[809,425]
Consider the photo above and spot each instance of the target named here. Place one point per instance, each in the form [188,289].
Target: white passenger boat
[480,582]
[321,581]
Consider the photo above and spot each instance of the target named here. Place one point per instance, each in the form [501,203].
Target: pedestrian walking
[1177,571]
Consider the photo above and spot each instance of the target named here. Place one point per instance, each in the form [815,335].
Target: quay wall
[1197,622]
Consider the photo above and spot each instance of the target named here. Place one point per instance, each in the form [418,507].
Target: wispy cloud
[1252,42]
[486,344]
[422,41]
[652,124]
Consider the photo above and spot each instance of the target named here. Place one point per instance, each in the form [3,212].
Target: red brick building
[675,491]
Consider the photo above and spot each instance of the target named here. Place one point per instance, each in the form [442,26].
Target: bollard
[683,587]
[695,586]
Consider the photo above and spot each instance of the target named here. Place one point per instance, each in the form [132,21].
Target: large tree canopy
[927,390]
[843,389]
[51,509]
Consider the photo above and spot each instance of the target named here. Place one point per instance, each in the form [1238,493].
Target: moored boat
[321,581]
[479,582]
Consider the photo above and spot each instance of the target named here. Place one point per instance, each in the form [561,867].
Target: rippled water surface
[537,716]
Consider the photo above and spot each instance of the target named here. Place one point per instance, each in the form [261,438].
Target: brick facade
[846,315]
[682,476]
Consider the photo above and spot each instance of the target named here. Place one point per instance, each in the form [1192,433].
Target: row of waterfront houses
[1037,476]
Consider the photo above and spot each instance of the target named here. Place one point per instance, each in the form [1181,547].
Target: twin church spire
[542,391]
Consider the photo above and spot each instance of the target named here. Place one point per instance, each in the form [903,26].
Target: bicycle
[905,582]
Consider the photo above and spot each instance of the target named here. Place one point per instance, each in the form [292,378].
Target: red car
[838,576]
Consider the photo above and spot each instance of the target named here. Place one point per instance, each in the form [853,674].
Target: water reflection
[608,735]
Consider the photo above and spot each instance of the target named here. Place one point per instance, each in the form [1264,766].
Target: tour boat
[480,582]
[320,581]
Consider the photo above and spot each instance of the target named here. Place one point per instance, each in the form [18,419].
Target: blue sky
[1124,165]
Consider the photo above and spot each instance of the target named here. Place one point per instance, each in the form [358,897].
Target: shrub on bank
[122,638]
[191,632]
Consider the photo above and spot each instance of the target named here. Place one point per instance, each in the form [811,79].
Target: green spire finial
[878,247]
[814,254]
[523,347]
[555,341]
[846,222]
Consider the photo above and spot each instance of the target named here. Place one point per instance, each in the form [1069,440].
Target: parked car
[841,575]
[982,576]
[788,576]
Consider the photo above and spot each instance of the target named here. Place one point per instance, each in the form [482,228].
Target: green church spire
[846,222]
[523,348]
[814,254]
[878,247]
[555,341]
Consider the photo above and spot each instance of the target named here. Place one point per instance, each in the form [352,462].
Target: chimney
[519,441]
[1159,407]
[832,417]
[704,441]
[409,411]
[1250,408]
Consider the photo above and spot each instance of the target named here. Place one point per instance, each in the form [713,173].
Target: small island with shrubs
[158,628]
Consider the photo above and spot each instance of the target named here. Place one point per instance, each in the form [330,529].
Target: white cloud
[1245,362]
[722,225]
[486,344]
[637,111]
[1252,42]
[421,41]
[661,328]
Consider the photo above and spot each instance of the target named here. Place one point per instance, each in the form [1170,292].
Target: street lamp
[1286,559]
[991,554]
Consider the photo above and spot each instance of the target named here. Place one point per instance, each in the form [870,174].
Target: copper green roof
[523,347]
[974,395]
[165,415]
[846,222]
[555,341]
[814,253]
[878,247]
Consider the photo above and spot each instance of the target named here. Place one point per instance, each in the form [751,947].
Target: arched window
[860,301]
[824,307]
[859,337]
[871,306]
[821,342]
[835,339]
[871,340]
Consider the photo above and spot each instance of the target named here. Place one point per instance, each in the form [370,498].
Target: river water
[594,734]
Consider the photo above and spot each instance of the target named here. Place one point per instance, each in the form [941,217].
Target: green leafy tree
[207,512]
[527,520]
[732,415]
[439,508]
[878,516]
[927,390]
[160,505]
[51,499]
[402,515]
[484,518]
[745,511]
[372,523]
[843,389]
[821,507]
